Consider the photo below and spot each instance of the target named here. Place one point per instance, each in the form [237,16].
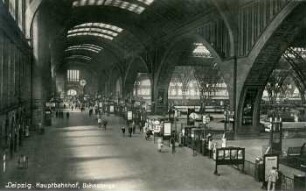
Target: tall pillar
[41,69]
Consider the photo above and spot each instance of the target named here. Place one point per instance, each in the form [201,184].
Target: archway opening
[142,91]
[283,94]
[198,89]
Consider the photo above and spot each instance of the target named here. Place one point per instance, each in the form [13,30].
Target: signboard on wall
[167,129]
[269,162]
[129,115]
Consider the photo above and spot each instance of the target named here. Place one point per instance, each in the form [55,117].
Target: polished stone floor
[76,150]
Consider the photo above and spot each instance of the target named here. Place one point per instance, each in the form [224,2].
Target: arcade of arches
[241,63]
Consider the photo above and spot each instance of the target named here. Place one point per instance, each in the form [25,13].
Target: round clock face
[83,82]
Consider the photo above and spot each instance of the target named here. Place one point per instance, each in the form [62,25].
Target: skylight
[95,29]
[201,51]
[79,57]
[91,34]
[87,47]
[138,7]
[299,50]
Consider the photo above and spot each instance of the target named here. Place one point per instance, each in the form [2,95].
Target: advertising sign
[269,162]
[111,109]
[130,115]
[167,129]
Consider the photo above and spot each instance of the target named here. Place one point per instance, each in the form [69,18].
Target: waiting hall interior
[153,95]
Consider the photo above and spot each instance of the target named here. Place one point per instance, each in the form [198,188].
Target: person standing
[99,122]
[273,176]
[210,145]
[4,161]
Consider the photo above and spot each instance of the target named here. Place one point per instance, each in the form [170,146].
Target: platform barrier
[230,156]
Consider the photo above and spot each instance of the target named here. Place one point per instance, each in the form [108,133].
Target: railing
[249,168]
[286,183]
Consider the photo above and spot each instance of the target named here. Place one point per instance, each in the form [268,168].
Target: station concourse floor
[76,150]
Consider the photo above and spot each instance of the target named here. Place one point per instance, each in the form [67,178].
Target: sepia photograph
[153,95]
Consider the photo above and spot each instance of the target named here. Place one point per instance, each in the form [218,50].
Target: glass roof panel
[95,29]
[90,34]
[99,25]
[79,57]
[136,8]
[102,31]
[88,47]
[147,2]
[301,51]
[201,51]
[100,2]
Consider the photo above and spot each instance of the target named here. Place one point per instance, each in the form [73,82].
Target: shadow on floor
[87,159]
[89,145]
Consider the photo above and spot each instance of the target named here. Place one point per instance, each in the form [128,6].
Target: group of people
[60,114]
[131,128]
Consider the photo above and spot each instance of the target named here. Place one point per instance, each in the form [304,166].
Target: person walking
[134,127]
[160,145]
[172,141]
[130,130]
[104,124]
[273,176]
[123,131]
[99,122]
[140,126]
